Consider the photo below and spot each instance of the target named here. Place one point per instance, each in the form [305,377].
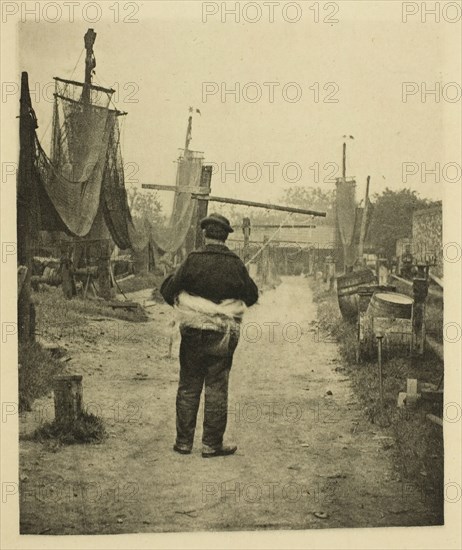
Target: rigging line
[122,131]
[269,240]
[72,74]
[75,67]
[106,85]
[42,138]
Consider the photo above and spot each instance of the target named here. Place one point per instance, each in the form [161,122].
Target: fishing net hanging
[83,180]
[346,210]
[73,175]
[346,218]
[172,237]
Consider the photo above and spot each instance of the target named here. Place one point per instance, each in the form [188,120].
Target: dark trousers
[203,360]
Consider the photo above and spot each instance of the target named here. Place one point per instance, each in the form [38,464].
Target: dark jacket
[214,273]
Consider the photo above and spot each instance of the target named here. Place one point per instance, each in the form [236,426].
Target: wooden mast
[188,134]
[90,64]
[26,208]
[204,187]
[362,234]
[104,268]
[348,248]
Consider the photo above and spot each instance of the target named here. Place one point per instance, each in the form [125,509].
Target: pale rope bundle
[197,312]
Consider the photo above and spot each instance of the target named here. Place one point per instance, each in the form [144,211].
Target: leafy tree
[145,205]
[311,198]
[392,218]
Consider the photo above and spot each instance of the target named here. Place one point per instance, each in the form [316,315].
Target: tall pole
[420,291]
[26,208]
[345,247]
[90,63]
[362,234]
[379,364]
[267,206]
[104,268]
[188,134]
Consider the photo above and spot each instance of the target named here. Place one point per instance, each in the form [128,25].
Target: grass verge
[59,318]
[418,444]
[140,282]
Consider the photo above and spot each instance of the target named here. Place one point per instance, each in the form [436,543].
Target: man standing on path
[210,292]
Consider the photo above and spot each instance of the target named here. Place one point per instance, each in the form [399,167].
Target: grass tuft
[88,428]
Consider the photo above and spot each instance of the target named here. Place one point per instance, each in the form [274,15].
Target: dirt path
[306,457]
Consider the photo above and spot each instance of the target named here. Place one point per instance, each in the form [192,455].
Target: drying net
[83,180]
[72,177]
[346,218]
[346,210]
[171,237]
[114,197]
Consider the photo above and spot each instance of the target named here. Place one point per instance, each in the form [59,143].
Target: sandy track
[306,459]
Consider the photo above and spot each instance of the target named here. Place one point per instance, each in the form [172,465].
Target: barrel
[366,292]
[391,305]
[347,291]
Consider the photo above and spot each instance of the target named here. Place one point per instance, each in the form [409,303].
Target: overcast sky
[163,61]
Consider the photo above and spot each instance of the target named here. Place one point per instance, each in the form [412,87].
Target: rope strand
[269,240]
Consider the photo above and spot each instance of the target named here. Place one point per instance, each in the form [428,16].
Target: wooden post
[27,206]
[246,230]
[379,353]
[265,260]
[420,290]
[68,282]
[382,272]
[104,271]
[202,206]
[330,272]
[68,396]
[311,261]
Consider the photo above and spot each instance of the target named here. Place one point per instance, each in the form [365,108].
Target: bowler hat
[219,220]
